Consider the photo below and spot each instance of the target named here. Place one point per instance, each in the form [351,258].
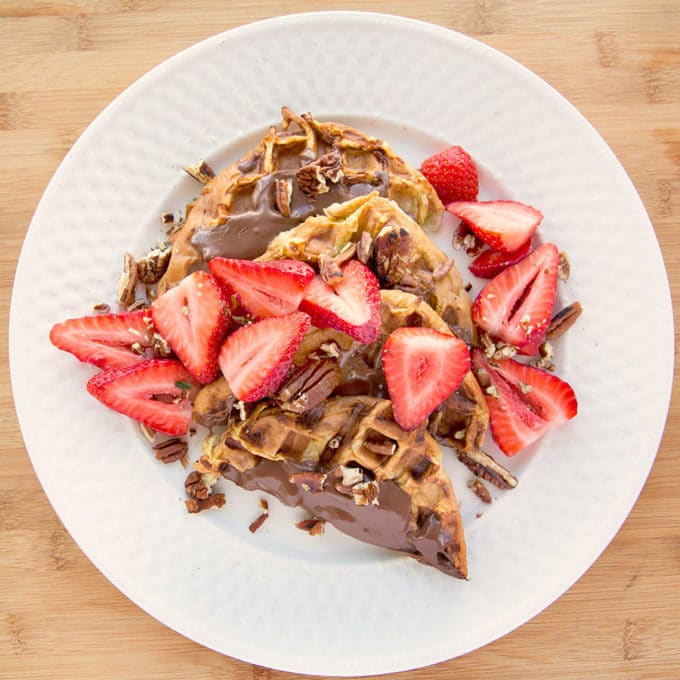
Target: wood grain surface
[63,61]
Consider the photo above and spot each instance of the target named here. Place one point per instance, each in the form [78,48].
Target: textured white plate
[280,598]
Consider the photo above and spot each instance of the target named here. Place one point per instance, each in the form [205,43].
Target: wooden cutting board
[63,61]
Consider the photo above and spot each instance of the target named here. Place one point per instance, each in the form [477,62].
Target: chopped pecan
[464,238]
[309,385]
[171,450]
[331,166]
[258,522]
[160,347]
[477,487]
[383,446]
[127,283]
[364,247]
[484,466]
[284,193]
[563,267]
[563,320]
[217,500]
[366,493]
[101,308]
[544,359]
[329,270]
[309,480]
[139,303]
[392,254]
[198,485]
[152,266]
[311,180]
[201,172]
[350,475]
[441,270]
[312,525]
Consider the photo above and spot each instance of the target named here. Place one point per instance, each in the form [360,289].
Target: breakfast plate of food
[328,347]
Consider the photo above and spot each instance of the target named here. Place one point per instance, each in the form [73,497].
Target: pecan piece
[284,193]
[312,525]
[477,487]
[217,500]
[347,253]
[329,269]
[309,480]
[127,283]
[261,519]
[152,266]
[101,308]
[392,253]
[201,172]
[563,267]
[198,485]
[366,493]
[564,320]
[364,247]
[171,450]
[484,466]
[441,270]
[308,385]
[311,180]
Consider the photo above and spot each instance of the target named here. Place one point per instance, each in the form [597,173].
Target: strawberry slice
[453,174]
[492,262]
[422,368]
[105,340]
[264,289]
[147,393]
[516,306]
[193,319]
[255,358]
[525,403]
[351,306]
[503,225]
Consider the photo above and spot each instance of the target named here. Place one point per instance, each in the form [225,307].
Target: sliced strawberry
[147,393]
[265,289]
[492,262]
[516,306]
[351,306]
[255,358]
[452,174]
[193,319]
[525,403]
[105,340]
[422,368]
[503,225]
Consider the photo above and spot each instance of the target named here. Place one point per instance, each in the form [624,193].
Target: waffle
[346,461]
[297,170]
[460,422]
[393,245]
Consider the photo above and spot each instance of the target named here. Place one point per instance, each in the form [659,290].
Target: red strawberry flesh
[423,367]
[452,174]
[255,358]
[105,340]
[525,402]
[490,262]
[351,306]
[193,319]
[503,225]
[516,305]
[264,289]
[152,392]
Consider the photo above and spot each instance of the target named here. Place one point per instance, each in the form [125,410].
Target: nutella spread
[247,233]
[386,524]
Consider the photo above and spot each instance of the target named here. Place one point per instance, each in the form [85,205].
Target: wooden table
[63,61]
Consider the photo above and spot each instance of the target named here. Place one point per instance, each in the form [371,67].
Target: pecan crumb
[564,320]
[152,266]
[366,493]
[258,522]
[201,172]
[365,247]
[312,525]
[311,180]
[441,270]
[329,269]
[348,251]
[477,487]
[563,267]
[171,450]
[127,283]
[309,480]
[284,193]
[101,308]
[217,500]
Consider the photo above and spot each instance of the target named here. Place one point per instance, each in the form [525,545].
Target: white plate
[327,605]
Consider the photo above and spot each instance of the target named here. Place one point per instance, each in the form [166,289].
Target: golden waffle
[295,171]
[395,247]
[346,461]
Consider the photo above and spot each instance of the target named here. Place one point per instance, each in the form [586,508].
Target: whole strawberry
[453,174]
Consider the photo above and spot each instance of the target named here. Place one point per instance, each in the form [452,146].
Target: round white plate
[327,605]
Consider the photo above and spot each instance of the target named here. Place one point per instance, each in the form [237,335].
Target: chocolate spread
[387,524]
[247,233]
